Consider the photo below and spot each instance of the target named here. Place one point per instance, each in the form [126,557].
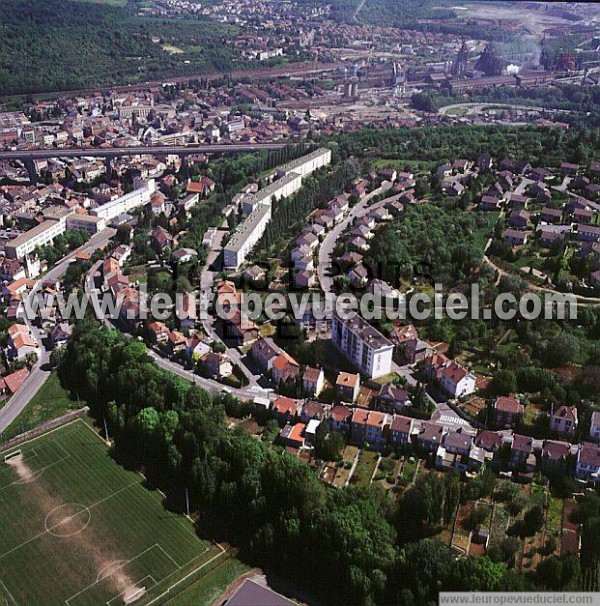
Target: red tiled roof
[340,413]
[508,404]
[15,380]
[346,379]
[284,405]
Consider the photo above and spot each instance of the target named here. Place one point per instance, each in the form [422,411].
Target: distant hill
[59,45]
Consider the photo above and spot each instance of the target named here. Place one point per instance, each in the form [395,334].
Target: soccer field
[78,529]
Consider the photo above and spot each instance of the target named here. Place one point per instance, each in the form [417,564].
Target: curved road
[326,249]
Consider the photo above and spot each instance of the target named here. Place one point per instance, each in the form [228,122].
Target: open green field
[84,531]
[50,402]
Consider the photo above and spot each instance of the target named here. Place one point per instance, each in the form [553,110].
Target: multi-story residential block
[89,223]
[124,204]
[246,237]
[363,345]
[281,188]
[258,205]
[40,235]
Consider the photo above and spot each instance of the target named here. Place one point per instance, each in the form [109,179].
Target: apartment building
[281,188]
[124,204]
[40,235]
[258,205]
[246,237]
[89,223]
[307,164]
[363,345]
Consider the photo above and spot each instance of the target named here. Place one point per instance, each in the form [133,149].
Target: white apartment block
[307,164]
[124,204]
[40,235]
[258,205]
[89,223]
[246,237]
[286,186]
[363,345]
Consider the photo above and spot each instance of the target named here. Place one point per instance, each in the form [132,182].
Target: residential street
[331,239]
[40,371]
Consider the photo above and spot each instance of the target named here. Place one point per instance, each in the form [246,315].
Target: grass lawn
[407,475]
[555,507]
[50,402]
[365,467]
[482,234]
[499,524]
[85,530]
[207,589]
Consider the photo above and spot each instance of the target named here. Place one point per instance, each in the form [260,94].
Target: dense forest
[62,45]
[445,246]
[435,145]
[347,546]
[565,96]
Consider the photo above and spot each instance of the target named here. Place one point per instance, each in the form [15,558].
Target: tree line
[346,546]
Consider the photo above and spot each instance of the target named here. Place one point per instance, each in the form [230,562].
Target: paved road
[331,239]
[40,371]
[114,152]
[207,279]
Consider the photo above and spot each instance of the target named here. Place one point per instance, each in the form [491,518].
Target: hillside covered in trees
[62,45]
[347,546]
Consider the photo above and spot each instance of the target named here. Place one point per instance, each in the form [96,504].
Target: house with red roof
[285,409]
[293,435]
[285,369]
[340,418]
[14,380]
[370,427]
[347,387]
[313,381]
[507,411]
[20,342]
[401,431]
[457,380]
[555,457]
[563,420]
[158,332]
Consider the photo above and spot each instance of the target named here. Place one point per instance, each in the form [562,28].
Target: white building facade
[363,345]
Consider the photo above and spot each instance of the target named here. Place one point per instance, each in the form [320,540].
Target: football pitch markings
[62,464]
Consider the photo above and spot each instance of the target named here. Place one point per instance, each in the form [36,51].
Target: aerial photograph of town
[299,302]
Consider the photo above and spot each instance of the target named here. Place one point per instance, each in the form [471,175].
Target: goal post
[12,455]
